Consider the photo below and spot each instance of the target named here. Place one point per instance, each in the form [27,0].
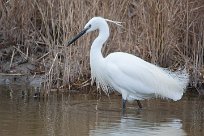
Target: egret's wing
[131,72]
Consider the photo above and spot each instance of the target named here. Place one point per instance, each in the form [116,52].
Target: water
[67,114]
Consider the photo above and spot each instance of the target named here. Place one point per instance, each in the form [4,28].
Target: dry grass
[165,32]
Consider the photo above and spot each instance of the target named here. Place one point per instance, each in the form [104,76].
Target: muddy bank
[20,72]
[35,81]
[16,67]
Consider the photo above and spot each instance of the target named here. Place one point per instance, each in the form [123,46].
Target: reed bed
[169,33]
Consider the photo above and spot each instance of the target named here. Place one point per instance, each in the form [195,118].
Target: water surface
[84,114]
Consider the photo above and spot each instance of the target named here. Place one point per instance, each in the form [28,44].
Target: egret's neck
[97,45]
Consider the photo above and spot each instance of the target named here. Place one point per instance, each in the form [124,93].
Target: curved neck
[99,41]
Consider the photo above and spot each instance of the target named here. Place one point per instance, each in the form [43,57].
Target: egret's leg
[139,104]
[124,104]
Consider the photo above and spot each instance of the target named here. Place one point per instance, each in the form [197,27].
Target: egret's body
[131,76]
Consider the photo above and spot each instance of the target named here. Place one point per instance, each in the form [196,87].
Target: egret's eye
[89,26]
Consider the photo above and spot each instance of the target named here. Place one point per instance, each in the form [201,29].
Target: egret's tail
[175,84]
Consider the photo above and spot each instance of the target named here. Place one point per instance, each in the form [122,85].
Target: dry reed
[169,33]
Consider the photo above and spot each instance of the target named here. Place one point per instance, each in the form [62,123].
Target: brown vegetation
[169,33]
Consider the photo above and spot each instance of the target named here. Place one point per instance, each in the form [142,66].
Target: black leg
[124,104]
[139,104]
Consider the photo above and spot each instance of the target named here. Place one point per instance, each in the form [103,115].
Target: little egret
[131,76]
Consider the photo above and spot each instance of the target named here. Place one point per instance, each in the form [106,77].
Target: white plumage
[131,76]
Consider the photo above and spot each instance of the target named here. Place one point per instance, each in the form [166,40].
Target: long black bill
[78,35]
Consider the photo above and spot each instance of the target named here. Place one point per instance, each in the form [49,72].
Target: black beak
[78,35]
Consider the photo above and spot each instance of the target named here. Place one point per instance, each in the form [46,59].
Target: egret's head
[94,24]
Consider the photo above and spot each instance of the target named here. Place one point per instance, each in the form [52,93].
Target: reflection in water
[78,114]
[133,126]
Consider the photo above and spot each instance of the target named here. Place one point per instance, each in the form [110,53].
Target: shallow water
[79,114]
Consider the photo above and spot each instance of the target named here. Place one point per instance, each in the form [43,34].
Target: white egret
[131,76]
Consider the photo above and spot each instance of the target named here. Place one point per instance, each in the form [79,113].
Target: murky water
[67,114]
